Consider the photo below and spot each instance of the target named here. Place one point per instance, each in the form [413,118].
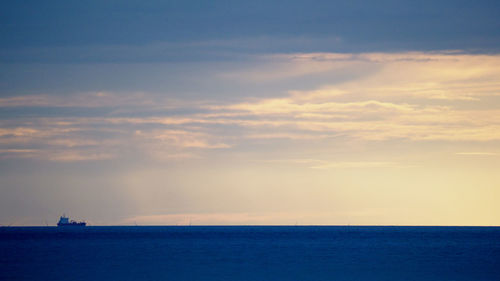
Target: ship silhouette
[65,221]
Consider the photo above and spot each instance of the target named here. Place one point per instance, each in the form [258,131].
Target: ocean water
[250,253]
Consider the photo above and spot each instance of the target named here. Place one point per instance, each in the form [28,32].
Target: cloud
[185,139]
[348,165]
[477,153]
[321,164]
[405,96]
[18,153]
[279,67]
[396,101]
[75,156]
[440,75]
[85,100]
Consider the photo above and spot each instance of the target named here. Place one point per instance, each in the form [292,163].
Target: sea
[250,253]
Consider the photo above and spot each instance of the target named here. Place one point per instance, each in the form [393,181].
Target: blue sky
[250,112]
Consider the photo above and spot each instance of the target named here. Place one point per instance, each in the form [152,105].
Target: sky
[250,112]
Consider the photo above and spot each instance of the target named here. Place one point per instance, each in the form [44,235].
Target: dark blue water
[250,253]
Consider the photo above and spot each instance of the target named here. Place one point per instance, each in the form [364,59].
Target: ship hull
[71,224]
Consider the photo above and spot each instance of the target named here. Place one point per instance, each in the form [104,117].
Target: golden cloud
[414,96]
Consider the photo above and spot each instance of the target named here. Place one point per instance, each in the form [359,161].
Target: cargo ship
[64,221]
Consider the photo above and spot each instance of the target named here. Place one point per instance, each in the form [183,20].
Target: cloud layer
[405,96]
[318,138]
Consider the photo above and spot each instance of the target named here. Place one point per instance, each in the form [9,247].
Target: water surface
[250,253]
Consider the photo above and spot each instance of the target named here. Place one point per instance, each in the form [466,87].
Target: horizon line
[258,225]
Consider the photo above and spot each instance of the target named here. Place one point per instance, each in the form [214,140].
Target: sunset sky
[250,112]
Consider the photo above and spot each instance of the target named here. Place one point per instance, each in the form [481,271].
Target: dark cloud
[64,31]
